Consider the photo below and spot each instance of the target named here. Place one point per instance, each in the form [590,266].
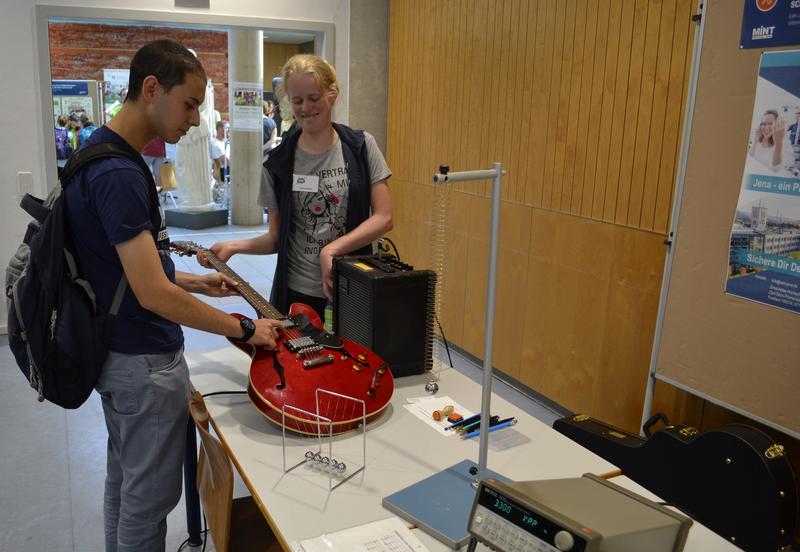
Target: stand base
[440,505]
[218,216]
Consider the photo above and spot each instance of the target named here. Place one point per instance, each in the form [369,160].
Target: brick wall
[82,50]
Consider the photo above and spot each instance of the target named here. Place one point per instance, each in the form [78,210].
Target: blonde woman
[325,187]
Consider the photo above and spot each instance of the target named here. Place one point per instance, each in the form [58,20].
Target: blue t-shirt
[108,203]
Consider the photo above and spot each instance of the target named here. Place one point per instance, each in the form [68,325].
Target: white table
[400,451]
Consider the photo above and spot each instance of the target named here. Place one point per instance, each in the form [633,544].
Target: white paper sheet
[386,535]
[423,407]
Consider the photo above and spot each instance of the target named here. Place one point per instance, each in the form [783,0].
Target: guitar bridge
[312,362]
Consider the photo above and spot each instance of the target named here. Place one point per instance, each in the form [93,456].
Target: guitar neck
[244,289]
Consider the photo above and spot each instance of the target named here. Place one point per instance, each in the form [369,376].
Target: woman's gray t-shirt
[318,218]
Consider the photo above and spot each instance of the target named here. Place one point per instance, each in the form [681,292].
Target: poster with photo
[246,111]
[77,105]
[764,258]
[116,80]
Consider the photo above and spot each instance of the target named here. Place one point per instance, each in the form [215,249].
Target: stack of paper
[387,535]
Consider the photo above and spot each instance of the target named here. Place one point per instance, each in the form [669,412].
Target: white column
[245,76]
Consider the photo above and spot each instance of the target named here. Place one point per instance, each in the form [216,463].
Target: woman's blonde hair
[322,71]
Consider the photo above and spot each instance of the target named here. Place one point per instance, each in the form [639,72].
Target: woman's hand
[222,250]
[215,284]
[779,131]
[758,134]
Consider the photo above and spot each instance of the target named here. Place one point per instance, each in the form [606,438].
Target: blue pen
[500,425]
[464,421]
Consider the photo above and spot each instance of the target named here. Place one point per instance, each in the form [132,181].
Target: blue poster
[768,23]
[70,88]
[764,257]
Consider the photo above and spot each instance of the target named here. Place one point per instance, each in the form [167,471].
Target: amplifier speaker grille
[386,306]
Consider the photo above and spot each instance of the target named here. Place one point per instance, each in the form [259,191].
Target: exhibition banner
[764,257]
[770,23]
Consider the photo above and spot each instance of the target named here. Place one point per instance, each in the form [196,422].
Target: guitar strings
[250,295]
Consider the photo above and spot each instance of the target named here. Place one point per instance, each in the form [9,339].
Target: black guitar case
[735,480]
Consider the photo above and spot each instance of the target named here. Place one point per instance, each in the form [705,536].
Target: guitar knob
[362,357]
[564,540]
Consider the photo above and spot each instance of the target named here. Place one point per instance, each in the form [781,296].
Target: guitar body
[314,382]
[279,378]
[735,480]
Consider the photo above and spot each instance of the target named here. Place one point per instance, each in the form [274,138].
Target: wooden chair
[168,182]
[234,525]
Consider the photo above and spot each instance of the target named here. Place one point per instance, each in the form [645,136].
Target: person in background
[153,154]
[276,113]
[118,231]
[794,130]
[63,141]
[269,127]
[87,128]
[74,127]
[220,150]
[326,190]
[114,108]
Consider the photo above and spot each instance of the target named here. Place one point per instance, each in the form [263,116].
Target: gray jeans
[145,405]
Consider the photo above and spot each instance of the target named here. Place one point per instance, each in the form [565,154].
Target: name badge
[305,183]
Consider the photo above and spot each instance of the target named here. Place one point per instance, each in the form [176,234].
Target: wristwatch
[248,329]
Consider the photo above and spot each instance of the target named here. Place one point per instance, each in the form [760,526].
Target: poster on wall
[769,23]
[77,105]
[70,88]
[246,106]
[114,81]
[764,258]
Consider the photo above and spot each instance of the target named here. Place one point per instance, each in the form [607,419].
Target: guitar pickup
[298,343]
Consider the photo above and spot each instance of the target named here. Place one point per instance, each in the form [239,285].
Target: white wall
[21,137]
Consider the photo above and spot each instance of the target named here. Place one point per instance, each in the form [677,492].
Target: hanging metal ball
[431,387]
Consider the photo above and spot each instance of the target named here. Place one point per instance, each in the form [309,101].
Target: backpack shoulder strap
[108,150]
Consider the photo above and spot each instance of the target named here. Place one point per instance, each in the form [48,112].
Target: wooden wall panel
[275,56]
[582,101]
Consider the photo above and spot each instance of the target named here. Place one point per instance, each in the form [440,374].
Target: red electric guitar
[310,371]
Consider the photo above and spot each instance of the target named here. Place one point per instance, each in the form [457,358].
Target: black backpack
[58,336]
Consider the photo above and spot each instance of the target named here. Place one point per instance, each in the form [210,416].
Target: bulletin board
[734,352]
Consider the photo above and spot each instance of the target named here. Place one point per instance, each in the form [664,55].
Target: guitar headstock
[185,248]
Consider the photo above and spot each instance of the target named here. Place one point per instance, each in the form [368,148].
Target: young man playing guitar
[118,230]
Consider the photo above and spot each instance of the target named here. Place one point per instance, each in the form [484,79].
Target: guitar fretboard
[244,289]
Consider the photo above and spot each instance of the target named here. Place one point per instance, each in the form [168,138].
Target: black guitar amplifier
[388,307]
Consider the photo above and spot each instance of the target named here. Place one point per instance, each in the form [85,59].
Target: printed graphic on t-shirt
[322,213]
